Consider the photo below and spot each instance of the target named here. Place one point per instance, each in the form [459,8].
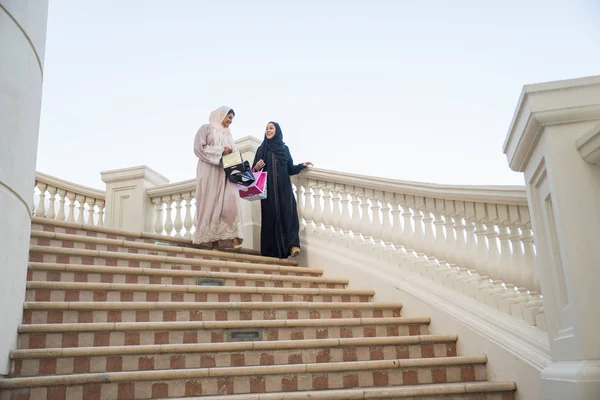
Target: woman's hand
[307,164]
[227,150]
[259,165]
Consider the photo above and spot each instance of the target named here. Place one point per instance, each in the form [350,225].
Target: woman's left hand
[308,164]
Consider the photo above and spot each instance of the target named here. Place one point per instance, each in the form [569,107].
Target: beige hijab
[216,121]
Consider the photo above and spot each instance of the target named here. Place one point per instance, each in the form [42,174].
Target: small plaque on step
[246,335]
[210,282]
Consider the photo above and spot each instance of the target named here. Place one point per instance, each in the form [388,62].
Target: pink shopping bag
[256,191]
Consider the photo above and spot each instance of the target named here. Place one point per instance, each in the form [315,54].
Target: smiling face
[270,132]
[227,120]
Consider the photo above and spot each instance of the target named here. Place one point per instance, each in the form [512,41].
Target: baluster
[187,221]
[327,212]
[454,273]
[41,208]
[451,242]
[408,231]
[529,275]
[336,212]
[51,204]
[81,208]
[387,230]
[300,203]
[100,212]
[481,259]
[431,264]
[440,235]
[397,229]
[345,221]
[366,227]
[442,269]
[356,217]
[318,210]
[505,262]
[91,202]
[61,216]
[178,224]
[169,210]
[493,253]
[71,196]
[460,256]
[409,259]
[158,223]
[418,206]
[308,210]
[376,225]
[462,253]
[472,247]
[194,210]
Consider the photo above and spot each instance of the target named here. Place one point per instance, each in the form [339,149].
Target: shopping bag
[257,190]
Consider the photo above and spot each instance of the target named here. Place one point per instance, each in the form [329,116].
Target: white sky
[413,90]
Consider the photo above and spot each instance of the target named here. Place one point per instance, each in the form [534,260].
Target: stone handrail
[62,200]
[476,240]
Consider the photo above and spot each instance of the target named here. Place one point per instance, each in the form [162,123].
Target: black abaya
[279,231]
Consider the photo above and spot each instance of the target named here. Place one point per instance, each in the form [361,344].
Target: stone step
[254,379]
[234,354]
[62,255]
[81,242]
[443,391]
[79,232]
[52,272]
[148,333]
[87,312]
[87,291]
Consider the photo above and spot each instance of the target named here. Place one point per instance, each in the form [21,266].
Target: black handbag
[237,170]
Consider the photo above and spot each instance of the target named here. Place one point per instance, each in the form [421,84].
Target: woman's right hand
[227,150]
[259,165]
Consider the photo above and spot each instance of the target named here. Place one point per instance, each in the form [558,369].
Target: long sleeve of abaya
[293,169]
[208,153]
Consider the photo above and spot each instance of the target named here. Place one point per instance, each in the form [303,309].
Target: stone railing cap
[131,173]
[544,104]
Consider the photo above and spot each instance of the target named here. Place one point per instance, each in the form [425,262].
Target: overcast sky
[413,90]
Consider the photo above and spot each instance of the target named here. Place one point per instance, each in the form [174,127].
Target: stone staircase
[123,315]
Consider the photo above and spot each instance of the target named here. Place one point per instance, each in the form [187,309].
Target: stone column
[22,45]
[551,140]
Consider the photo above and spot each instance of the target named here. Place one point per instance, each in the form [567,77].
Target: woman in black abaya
[279,232]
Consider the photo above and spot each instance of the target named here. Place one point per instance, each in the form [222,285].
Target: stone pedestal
[128,206]
[22,45]
[552,140]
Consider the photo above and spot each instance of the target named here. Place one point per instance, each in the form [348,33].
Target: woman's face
[270,132]
[227,120]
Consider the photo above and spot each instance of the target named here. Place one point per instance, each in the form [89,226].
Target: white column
[554,133]
[22,46]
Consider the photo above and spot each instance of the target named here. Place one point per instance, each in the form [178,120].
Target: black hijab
[274,145]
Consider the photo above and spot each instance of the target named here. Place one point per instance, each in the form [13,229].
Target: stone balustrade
[174,208]
[58,199]
[476,240]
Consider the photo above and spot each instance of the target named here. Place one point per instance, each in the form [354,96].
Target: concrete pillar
[22,45]
[553,139]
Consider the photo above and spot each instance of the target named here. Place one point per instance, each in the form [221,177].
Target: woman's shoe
[237,244]
[295,251]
